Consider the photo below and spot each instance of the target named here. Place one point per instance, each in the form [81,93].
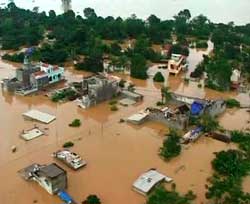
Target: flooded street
[117,153]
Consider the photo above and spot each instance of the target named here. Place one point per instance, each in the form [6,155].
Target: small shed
[147,181]
[138,118]
[32,134]
[39,116]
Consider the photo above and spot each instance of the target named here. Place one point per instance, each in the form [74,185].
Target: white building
[176,64]
[147,181]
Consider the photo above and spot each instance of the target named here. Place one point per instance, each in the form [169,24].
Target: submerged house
[176,64]
[51,177]
[71,159]
[148,180]
[96,89]
[48,74]
[174,118]
[235,79]
[110,66]
[210,107]
[31,78]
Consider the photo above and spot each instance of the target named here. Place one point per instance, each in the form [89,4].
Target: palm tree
[165,94]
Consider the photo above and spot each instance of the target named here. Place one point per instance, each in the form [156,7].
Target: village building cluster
[98,88]
[32,78]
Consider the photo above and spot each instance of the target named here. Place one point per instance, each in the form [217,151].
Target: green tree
[165,95]
[92,63]
[139,67]
[162,196]
[208,123]
[159,77]
[171,146]
[92,199]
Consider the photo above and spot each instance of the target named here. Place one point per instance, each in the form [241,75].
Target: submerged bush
[68,144]
[232,103]
[171,146]
[75,123]
[159,77]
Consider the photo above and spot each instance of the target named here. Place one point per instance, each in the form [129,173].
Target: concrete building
[147,181]
[96,89]
[71,159]
[132,95]
[115,67]
[31,78]
[176,64]
[174,118]
[51,177]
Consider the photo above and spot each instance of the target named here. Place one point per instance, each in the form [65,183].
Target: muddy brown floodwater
[117,153]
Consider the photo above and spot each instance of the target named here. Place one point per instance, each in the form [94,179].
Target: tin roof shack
[96,89]
[147,181]
[51,177]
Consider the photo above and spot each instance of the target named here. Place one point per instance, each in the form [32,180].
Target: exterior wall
[46,184]
[55,76]
[59,183]
[216,108]
[42,82]
[177,122]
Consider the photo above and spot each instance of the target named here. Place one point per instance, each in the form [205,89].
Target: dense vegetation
[87,39]
[67,94]
[230,168]
[171,145]
[162,196]
[208,123]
